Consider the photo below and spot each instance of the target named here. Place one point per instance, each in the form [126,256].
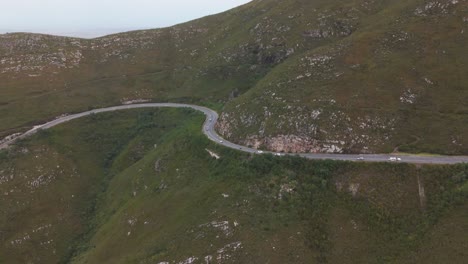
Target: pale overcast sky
[90,18]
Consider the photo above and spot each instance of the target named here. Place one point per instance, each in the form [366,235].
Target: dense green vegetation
[140,187]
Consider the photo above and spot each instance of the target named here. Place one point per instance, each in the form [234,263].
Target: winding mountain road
[209,131]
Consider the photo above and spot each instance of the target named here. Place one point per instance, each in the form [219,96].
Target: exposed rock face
[294,144]
[303,130]
[224,126]
[441,7]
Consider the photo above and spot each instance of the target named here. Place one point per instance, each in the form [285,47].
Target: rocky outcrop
[294,144]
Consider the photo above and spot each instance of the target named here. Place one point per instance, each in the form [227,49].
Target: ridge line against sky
[94,18]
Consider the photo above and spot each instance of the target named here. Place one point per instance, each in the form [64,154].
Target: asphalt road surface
[209,131]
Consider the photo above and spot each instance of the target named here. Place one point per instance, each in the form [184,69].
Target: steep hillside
[398,81]
[50,184]
[148,191]
[292,75]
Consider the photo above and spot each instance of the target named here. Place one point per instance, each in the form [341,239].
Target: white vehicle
[259,151]
[221,141]
[360,158]
[398,159]
[392,159]
[278,154]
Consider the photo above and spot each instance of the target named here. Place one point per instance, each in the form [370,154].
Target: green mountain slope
[148,191]
[142,186]
[398,81]
[292,75]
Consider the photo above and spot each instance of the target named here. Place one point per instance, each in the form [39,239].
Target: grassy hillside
[148,191]
[398,82]
[292,75]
